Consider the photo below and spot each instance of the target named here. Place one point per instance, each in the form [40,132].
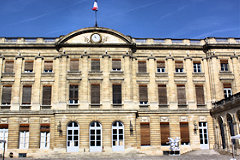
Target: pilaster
[236,81]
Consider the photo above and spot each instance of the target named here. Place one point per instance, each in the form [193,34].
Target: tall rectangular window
[224,65]
[200,95]
[6,95]
[45,136]
[181,95]
[3,135]
[162,94]
[143,94]
[95,65]
[142,67]
[184,131]
[26,94]
[165,133]
[23,136]
[227,90]
[117,93]
[95,94]
[74,65]
[8,67]
[73,94]
[48,66]
[28,67]
[116,64]
[196,67]
[179,66]
[160,66]
[145,134]
[46,98]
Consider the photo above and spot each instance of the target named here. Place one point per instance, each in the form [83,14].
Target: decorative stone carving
[145,119]
[164,119]
[202,119]
[3,120]
[45,120]
[183,119]
[24,120]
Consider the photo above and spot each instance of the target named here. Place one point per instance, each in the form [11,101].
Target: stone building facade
[97,90]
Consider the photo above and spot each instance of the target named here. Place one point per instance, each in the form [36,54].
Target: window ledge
[116,72]
[161,74]
[201,105]
[117,105]
[163,105]
[5,106]
[95,72]
[198,74]
[46,74]
[182,105]
[74,72]
[73,104]
[95,105]
[25,106]
[180,74]
[8,74]
[143,74]
[225,72]
[27,74]
[44,107]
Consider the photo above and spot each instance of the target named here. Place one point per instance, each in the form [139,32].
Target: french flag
[95,6]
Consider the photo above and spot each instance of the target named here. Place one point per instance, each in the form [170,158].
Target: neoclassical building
[97,90]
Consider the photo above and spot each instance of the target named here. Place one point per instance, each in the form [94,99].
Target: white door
[203,135]
[72,137]
[95,137]
[117,136]
[3,136]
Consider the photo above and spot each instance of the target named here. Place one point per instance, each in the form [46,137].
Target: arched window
[221,127]
[231,126]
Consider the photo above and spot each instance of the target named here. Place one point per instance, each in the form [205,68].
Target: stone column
[235,67]
[56,85]
[127,90]
[207,93]
[134,84]
[34,133]
[13,133]
[155,131]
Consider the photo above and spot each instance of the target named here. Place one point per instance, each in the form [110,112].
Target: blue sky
[137,18]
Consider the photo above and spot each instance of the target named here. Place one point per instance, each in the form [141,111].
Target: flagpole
[96,25]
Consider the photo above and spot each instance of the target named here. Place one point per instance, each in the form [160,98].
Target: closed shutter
[117,94]
[142,68]
[178,64]
[145,134]
[45,127]
[181,94]
[24,127]
[227,85]
[116,64]
[162,94]
[6,94]
[165,132]
[48,65]
[184,131]
[28,66]
[200,94]
[95,65]
[26,94]
[143,93]
[160,64]
[3,126]
[74,65]
[47,91]
[95,94]
[8,67]
[73,92]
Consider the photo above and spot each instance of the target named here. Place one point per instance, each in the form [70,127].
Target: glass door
[117,136]
[72,137]
[203,135]
[95,137]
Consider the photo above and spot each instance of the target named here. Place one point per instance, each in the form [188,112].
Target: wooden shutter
[8,67]
[199,94]
[24,127]
[95,94]
[224,61]
[47,92]
[95,65]
[227,85]
[162,94]
[142,68]
[116,64]
[178,64]
[73,92]
[165,132]
[26,94]
[145,134]
[117,94]
[6,94]
[160,64]
[45,127]
[184,131]
[181,94]
[48,65]
[28,66]
[143,93]
[74,65]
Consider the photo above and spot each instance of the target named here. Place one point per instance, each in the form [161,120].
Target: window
[142,68]
[179,66]
[74,65]
[116,64]
[196,67]
[181,95]
[224,65]
[26,94]
[165,133]
[48,66]
[162,94]
[73,94]
[227,90]
[160,66]
[199,94]
[9,67]
[47,92]
[117,93]
[23,136]
[184,131]
[6,95]
[95,65]
[28,66]
[143,94]
[3,135]
[44,136]
[95,94]
[145,134]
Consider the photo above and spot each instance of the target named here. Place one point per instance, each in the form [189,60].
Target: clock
[96,38]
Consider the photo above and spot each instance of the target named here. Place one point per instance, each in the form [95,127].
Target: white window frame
[3,136]
[160,70]
[23,139]
[224,67]
[179,70]
[227,92]
[197,67]
[44,140]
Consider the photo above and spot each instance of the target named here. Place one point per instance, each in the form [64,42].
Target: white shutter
[21,140]
[6,138]
[42,140]
[48,140]
[27,140]
[1,137]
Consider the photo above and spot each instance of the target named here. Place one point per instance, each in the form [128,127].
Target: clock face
[96,38]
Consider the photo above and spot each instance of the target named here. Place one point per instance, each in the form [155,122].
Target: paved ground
[195,155]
